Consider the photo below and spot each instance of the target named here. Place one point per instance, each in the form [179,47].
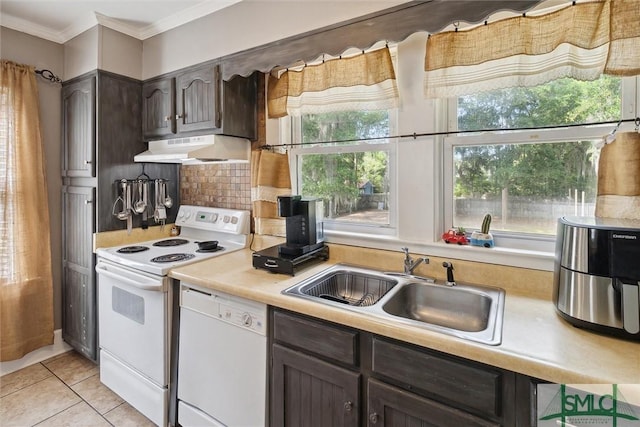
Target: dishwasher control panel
[237,311]
[243,316]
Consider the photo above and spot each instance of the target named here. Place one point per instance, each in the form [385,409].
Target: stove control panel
[215,219]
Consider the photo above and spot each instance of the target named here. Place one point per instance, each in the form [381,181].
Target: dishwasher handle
[130,278]
[202,302]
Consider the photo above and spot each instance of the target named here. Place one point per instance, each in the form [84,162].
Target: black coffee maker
[304,236]
[304,228]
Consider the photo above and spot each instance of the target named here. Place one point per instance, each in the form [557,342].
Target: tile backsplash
[220,185]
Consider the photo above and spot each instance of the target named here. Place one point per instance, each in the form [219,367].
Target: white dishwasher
[222,360]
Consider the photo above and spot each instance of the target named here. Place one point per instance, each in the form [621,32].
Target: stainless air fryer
[597,274]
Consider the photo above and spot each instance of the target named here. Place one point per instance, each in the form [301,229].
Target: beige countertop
[535,340]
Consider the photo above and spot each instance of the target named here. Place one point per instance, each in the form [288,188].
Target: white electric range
[230,228]
[135,302]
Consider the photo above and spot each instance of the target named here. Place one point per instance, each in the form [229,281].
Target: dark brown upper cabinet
[78,128]
[158,108]
[198,96]
[196,101]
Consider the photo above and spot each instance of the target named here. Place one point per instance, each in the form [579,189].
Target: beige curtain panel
[363,82]
[26,294]
[619,178]
[270,178]
[624,49]
[581,41]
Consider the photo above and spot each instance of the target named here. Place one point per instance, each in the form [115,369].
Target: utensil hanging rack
[139,198]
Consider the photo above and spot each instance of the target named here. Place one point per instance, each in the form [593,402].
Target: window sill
[536,260]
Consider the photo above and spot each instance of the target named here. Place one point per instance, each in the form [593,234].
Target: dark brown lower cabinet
[310,392]
[328,375]
[390,406]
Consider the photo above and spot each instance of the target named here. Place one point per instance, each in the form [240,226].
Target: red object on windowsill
[455,236]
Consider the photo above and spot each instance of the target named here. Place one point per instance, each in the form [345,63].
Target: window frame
[514,240]
[518,240]
[389,145]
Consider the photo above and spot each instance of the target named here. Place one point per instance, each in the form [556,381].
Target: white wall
[245,25]
[105,49]
[81,54]
[120,53]
[43,54]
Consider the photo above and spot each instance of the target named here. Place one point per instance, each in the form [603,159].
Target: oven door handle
[130,278]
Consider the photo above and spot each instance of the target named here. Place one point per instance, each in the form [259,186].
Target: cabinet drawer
[316,337]
[457,382]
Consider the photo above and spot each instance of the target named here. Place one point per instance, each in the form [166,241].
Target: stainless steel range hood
[197,149]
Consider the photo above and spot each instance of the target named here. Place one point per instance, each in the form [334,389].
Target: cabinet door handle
[88,202]
[373,418]
[167,119]
[180,116]
[87,162]
[348,406]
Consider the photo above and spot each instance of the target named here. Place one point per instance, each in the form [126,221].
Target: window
[437,182]
[526,179]
[353,178]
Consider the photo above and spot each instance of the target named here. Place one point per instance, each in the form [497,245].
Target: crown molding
[91,20]
[46,33]
[187,15]
[80,26]
[117,25]
[24,26]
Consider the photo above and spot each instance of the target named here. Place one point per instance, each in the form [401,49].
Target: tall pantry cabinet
[101,133]
[78,213]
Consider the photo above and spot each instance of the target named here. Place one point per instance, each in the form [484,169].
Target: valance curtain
[363,82]
[581,41]
[26,294]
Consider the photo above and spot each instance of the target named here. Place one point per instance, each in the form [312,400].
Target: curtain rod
[48,75]
[457,132]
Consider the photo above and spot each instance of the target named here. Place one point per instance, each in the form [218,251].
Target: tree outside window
[526,186]
[351,179]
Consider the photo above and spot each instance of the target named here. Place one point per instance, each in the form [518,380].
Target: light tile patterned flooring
[63,391]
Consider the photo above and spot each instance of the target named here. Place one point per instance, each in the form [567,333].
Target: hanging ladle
[124,213]
[140,205]
[168,201]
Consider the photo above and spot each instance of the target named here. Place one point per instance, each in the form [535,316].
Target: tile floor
[63,391]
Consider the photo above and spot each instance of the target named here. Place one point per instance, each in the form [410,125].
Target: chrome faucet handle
[410,264]
[407,258]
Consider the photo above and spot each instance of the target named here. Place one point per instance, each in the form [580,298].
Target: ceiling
[61,20]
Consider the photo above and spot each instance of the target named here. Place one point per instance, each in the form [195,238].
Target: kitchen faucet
[410,264]
[449,267]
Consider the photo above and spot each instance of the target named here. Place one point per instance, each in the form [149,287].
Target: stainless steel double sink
[470,312]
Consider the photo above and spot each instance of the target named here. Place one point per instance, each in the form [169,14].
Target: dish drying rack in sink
[357,291]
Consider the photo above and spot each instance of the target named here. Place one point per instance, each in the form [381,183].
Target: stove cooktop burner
[171,242]
[209,251]
[172,258]
[132,249]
